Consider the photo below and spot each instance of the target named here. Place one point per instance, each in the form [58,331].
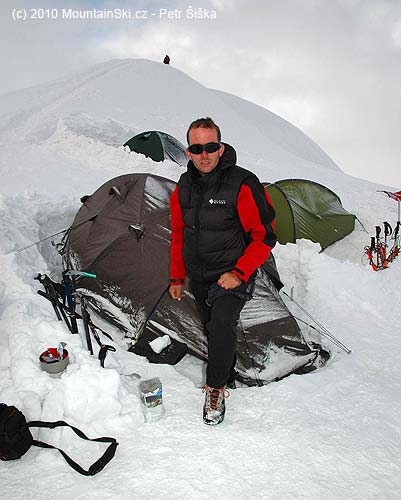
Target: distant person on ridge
[222,231]
[166,59]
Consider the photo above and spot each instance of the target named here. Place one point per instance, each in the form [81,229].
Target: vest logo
[217,202]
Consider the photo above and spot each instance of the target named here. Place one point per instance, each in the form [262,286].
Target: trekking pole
[323,330]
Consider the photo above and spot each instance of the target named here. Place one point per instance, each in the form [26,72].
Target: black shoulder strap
[94,468]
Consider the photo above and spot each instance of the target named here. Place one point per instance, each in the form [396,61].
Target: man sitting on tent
[222,231]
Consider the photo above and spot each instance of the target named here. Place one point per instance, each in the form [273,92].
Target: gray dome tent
[159,146]
[306,209]
[122,234]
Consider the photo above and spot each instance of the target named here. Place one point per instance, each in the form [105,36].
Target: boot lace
[214,396]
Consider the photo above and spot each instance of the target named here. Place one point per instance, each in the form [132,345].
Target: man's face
[204,162]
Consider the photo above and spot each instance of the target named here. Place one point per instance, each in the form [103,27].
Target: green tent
[159,146]
[306,209]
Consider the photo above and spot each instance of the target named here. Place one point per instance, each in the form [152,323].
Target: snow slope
[113,100]
[331,434]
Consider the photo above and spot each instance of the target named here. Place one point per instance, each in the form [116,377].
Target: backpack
[16,439]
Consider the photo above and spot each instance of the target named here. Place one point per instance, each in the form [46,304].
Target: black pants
[220,322]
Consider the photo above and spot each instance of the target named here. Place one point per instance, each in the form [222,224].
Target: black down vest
[213,235]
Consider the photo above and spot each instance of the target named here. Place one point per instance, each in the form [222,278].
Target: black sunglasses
[210,147]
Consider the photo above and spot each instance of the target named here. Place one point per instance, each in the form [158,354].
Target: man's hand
[176,291]
[229,280]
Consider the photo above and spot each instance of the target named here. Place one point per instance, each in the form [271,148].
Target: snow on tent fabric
[159,146]
[306,209]
[133,269]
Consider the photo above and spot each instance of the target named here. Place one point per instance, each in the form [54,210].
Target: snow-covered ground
[332,434]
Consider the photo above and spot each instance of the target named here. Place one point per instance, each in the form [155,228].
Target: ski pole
[387,229]
[387,232]
[395,248]
[372,252]
[378,231]
[369,252]
[396,245]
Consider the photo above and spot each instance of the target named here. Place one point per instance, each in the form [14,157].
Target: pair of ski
[377,252]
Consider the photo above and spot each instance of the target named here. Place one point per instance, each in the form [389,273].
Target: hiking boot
[215,406]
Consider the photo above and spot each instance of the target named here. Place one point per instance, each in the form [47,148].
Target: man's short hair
[204,123]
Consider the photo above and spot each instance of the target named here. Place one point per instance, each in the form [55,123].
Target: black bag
[16,439]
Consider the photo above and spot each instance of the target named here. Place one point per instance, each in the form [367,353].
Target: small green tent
[159,146]
[306,209]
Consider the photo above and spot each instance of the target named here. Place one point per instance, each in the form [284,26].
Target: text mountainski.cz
[76,14]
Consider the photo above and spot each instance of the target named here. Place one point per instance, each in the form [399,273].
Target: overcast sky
[330,67]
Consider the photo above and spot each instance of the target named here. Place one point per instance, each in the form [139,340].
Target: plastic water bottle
[152,399]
